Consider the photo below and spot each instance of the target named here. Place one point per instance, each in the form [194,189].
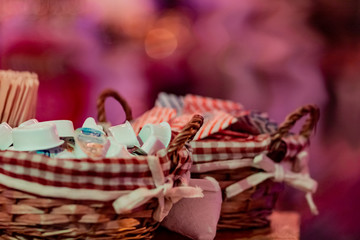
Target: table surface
[284,226]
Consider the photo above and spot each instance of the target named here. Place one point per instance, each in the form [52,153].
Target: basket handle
[185,135]
[100,104]
[309,125]
[278,147]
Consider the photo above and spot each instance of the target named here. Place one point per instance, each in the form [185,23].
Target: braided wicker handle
[278,147]
[309,125]
[100,104]
[186,135]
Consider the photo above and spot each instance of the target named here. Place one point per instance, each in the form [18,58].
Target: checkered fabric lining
[105,174]
[295,144]
[207,151]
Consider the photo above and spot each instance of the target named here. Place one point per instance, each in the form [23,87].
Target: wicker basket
[26,215]
[251,208]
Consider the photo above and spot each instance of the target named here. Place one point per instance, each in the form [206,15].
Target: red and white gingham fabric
[218,114]
[211,155]
[208,151]
[130,182]
[109,174]
[295,144]
[104,174]
[216,140]
[232,138]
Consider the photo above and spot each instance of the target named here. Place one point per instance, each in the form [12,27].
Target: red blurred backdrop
[270,56]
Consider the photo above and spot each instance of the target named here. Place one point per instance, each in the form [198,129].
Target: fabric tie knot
[277,171]
[165,191]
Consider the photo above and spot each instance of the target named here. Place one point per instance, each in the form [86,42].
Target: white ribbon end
[178,193]
[135,199]
[258,158]
[311,204]
[231,192]
[119,207]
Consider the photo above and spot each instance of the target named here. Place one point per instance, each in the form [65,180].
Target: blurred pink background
[272,56]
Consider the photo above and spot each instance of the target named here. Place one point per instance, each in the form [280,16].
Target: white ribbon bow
[279,173]
[167,195]
[165,192]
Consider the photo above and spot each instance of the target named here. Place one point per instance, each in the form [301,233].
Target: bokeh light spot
[160,43]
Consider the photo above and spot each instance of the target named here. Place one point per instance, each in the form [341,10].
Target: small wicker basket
[251,208]
[26,215]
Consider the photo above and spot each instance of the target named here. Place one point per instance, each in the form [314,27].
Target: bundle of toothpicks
[18,96]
